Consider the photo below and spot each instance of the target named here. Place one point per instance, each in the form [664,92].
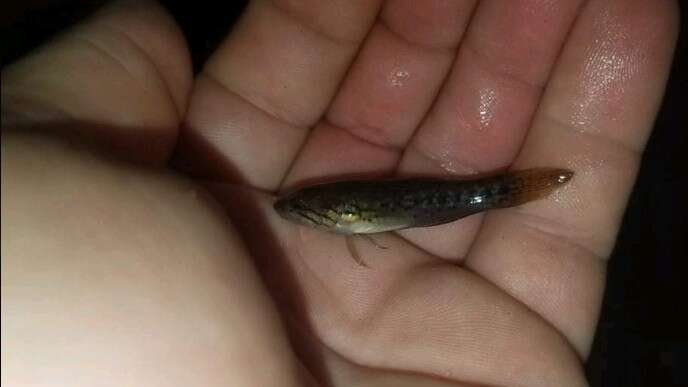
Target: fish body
[374,206]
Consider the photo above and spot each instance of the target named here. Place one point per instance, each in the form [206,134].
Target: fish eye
[349,216]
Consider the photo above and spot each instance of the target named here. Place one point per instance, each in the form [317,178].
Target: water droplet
[398,77]
[486,107]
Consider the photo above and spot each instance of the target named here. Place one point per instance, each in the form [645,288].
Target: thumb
[120,78]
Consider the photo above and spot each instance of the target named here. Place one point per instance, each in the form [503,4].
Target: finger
[267,85]
[387,92]
[121,77]
[481,116]
[399,70]
[595,117]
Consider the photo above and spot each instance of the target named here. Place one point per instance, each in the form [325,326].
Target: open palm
[302,91]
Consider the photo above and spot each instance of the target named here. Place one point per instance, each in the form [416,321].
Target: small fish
[374,206]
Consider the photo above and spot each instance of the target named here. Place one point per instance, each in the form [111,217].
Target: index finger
[267,84]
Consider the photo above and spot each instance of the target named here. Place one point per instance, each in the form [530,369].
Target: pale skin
[113,274]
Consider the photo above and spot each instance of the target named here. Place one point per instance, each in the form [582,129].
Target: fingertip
[120,78]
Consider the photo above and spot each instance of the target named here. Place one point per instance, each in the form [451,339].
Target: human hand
[304,92]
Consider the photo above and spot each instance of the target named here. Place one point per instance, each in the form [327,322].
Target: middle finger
[388,90]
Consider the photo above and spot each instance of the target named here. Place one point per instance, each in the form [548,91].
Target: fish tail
[518,187]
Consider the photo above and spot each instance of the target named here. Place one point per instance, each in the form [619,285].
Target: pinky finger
[594,118]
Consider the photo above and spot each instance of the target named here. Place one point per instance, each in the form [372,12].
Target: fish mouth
[287,208]
[280,206]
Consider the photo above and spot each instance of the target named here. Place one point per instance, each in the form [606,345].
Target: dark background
[642,338]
